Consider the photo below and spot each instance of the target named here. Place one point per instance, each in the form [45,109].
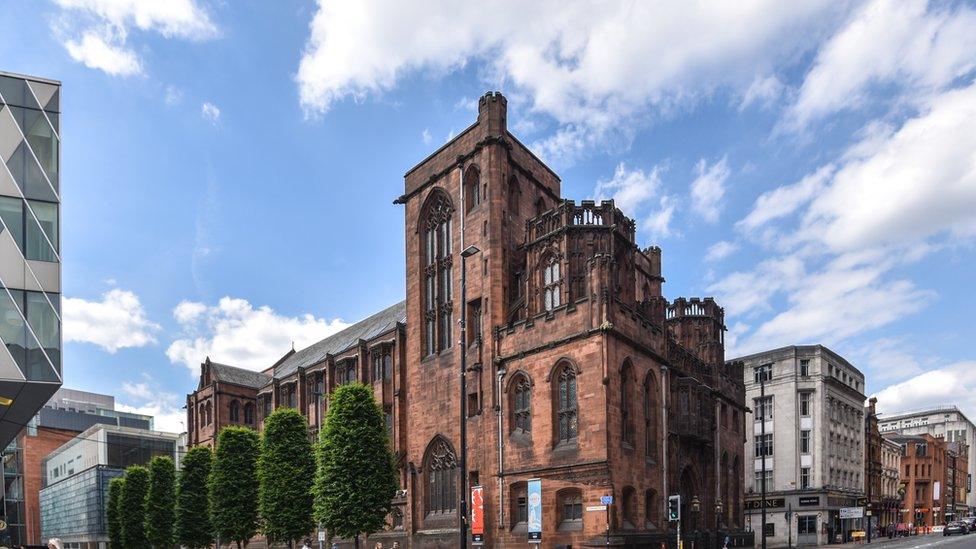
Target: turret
[699,326]
[492,110]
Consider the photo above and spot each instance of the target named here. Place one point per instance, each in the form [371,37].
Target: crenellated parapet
[698,325]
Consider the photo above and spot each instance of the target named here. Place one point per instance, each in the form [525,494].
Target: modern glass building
[76,477]
[30,261]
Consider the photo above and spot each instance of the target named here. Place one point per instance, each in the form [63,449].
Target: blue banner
[534,494]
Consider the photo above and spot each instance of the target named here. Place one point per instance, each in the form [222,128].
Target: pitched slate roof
[238,376]
[365,329]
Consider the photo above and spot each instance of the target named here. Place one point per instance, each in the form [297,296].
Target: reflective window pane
[37,246]
[47,330]
[44,144]
[12,90]
[12,214]
[13,330]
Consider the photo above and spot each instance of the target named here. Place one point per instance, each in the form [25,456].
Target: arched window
[514,196]
[521,404]
[650,417]
[567,419]
[629,507]
[437,260]
[540,207]
[736,476]
[249,413]
[235,411]
[472,188]
[650,509]
[627,403]
[209,414]
[551,283]
[440,466]
[569,506]
[725,485]
[202,415]
[520,503]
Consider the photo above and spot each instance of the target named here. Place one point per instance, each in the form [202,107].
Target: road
[935,541]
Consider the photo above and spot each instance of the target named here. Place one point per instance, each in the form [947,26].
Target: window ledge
[570,526]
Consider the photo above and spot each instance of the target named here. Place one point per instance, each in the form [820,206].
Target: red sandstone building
[580,373]
[933,478]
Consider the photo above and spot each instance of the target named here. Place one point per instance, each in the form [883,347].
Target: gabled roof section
[366,329]
[238,376]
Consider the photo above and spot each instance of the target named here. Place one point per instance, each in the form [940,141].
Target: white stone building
[814,443]
[946,422]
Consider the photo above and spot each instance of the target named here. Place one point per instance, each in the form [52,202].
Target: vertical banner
[477,515]
[534,526]
[937,493]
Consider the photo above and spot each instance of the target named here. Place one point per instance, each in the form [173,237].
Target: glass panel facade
[75,507]
[43,319]
[42,230]
[13,328]
[12,214]
[124,451]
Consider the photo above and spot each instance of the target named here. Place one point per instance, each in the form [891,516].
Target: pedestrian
[335,545]
[54,543]
[396,545]
[306,543]
[379,545]
[726,544]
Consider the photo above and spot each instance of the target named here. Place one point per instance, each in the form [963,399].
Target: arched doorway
[688,489]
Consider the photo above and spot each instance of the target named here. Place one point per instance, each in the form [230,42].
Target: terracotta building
[580,373]
[925,478]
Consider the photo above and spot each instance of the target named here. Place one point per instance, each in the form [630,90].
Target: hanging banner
[534,523]
[477,515]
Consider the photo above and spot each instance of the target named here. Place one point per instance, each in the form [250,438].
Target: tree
[161,502]
[192,508]
[233,486]
[286,471]
[356,477]
[113,513]
[132,507]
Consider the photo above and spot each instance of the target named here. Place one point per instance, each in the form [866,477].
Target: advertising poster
[477,515]
[535,510]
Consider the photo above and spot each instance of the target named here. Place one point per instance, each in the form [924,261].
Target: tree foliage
[356,477]
[233,486]
[161,502]
[192,506]
[286,472]
[132,508]
[113,512]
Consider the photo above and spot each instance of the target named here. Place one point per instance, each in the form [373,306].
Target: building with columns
[580,373]
[891,486]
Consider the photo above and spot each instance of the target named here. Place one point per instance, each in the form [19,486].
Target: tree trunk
[356,539]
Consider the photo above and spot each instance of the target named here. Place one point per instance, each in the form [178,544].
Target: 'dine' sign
[534,526]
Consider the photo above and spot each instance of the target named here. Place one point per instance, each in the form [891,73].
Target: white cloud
[104,27]
[783,201]
[720,250]
[708,188]
[174,95]
[426,137]
[763,91]
[639,195]
[235,332]
[210,112]
[747,293]
[953,383]
[116,322]
[914,45]
[658,224]
[596,66]
[889,359]
[145,397]
[104,51]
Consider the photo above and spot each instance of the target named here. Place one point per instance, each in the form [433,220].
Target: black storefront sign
[770,503]
[809,501]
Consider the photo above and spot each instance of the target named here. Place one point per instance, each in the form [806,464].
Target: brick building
[891,495]
[926,478]
[580,373]
[873,466]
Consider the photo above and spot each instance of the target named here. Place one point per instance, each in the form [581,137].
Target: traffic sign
[606,500]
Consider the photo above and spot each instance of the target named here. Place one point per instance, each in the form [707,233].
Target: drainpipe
[499,410]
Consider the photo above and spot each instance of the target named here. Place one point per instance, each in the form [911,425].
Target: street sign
[321,535]
[596,508]
[606,500]
[851,512]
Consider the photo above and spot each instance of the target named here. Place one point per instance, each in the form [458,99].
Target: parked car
[971,523]
[955,527]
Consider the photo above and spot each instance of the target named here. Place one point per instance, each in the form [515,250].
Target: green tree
[161,502]
[286,470]
[192,509]
[132,508]
[356,477]
[233,486]
[113,513]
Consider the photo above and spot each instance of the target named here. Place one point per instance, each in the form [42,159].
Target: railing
[586,214]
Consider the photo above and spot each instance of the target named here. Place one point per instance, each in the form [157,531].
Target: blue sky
[229,167]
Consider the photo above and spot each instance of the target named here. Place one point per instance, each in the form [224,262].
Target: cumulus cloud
[96,32]
[914,45]
[590,65]
[764,91]
[783,201]
[146,397]
[116,322]
[235,332]
[720,250]
[708,188]
[210,112]
[639,195]
[952,383]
